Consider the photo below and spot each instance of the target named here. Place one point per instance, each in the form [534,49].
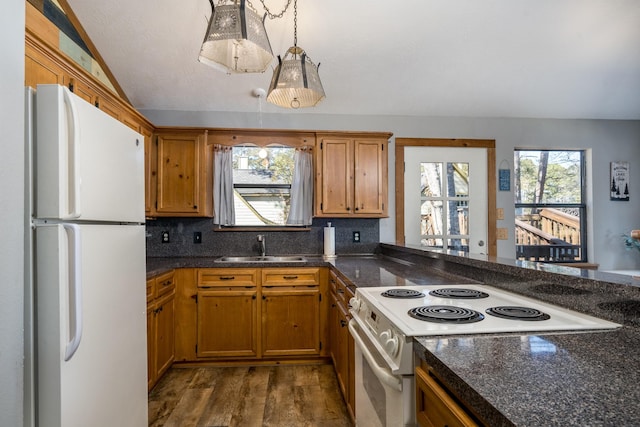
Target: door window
[446,198]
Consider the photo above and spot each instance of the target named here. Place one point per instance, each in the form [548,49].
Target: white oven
[385,320]
[382,397]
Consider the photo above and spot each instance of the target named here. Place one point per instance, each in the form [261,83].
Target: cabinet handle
[343,323]
[290,277]
[227,277]
[348,208]
[195,206]
[167,283]
[357,209]
[340,291]
[253,297]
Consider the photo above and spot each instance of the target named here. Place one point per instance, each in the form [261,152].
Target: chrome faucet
[263,245]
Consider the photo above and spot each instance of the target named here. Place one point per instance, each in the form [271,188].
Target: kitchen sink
[267,258]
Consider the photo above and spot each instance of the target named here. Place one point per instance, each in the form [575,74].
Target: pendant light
[236,40]
[295,82]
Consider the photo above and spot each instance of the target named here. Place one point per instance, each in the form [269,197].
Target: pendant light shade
[295,82]
[236,40]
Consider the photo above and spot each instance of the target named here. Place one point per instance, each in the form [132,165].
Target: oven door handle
[383,375]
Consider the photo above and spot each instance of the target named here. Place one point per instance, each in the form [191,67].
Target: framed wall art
[619,181]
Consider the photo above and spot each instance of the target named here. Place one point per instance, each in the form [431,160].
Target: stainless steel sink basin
[275,258]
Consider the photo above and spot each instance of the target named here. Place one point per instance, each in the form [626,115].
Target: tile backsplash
[240,243]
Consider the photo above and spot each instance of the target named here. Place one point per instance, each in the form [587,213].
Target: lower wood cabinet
[258,313]
[340,340]
[227,307]
[160,325]
[435,406]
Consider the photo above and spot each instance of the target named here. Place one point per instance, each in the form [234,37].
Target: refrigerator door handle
[75,291]
[74,142]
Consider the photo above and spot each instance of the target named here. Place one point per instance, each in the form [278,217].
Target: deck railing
[548,235]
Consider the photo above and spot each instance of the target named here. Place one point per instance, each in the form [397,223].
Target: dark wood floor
[269,396]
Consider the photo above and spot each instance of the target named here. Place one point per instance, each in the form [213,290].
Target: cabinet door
[342,350]
[151,345]
[336,176]
[108,106]
[150,172]
[227,323]
[39,69]
[434,405]
[178,185]
[82,90]
[370,177]
[165,338]
[291,321]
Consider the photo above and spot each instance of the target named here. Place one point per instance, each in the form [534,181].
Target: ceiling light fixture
[236,40]
[295,82]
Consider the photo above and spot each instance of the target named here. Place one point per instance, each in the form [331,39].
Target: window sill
[262,228]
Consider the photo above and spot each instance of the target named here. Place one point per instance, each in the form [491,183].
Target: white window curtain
[223,211]
[300,212]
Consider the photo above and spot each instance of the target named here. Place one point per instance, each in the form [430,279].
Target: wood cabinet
[341,342]
[184,174]
[435,406]
[260,313]
[227,313]
[290,311]
[160,325]
[351,175]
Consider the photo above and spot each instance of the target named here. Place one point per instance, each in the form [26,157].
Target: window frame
[581,207]
[255,140]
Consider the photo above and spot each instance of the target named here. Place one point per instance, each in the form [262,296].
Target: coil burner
[458,293]
[402,293]
[517,313]
[445,314]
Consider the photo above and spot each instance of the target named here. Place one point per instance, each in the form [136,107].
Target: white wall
[607,140]
[11,212]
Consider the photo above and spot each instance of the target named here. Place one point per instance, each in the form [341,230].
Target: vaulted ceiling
[473,58]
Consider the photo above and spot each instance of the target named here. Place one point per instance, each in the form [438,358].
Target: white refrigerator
[86,352]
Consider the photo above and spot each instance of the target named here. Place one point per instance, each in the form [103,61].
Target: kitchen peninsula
[587,378]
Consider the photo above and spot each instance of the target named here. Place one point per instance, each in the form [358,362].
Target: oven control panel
[387,336]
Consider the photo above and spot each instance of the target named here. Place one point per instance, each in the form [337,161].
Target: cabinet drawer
[341,290]
[225,277]
[165,283]
[290,276]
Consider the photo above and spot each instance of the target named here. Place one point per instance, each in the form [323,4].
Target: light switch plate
[500,213]
[502,234]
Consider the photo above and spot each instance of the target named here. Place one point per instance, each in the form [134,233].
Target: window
[550,205]
[262,179]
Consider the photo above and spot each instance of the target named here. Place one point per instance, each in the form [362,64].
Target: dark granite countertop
[577,379]
[565,379]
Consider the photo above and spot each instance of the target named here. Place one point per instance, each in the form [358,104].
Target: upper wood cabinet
[351,175]
[184,168]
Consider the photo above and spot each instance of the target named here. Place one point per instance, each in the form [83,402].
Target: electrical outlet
[197,237]
[356,237]
[502,234]
[165,237]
